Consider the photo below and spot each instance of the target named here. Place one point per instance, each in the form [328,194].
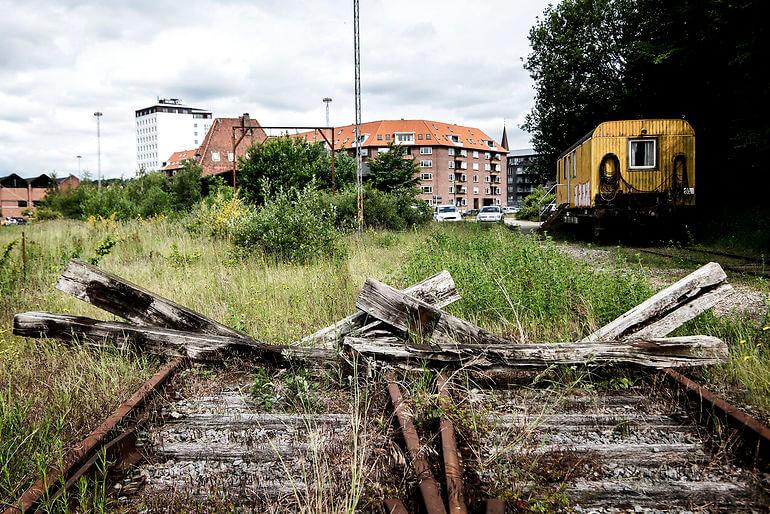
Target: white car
[447,213]
[491,214]
[510,210]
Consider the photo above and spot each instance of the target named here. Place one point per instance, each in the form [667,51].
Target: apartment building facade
[165,127]
[20,195]
[521,178]
[458,165]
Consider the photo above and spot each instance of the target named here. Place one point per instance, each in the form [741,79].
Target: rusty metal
[31,498]
[755,435]
[428,486]
[453,465]
[495,506]
[394,506]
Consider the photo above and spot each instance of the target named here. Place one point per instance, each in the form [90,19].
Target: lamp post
[327,101]
[78,157]
[98,148]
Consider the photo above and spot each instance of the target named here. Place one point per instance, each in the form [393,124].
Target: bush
[396,210]
[291,227]
[218,213]
[534,204]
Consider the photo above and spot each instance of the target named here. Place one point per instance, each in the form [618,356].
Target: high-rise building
[165,127]
[457,165]
[521,176]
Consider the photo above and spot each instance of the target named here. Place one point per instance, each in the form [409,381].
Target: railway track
[736,263]
[250,435]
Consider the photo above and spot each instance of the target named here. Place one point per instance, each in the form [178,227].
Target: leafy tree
[186,185]
[391,172]
[290,163]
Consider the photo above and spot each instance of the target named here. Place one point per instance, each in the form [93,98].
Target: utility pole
[98,148]
[357,95]
[327,101]
[78,158]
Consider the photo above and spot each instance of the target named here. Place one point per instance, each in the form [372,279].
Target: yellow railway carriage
[630,169]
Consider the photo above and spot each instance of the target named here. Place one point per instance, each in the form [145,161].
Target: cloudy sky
[61,60]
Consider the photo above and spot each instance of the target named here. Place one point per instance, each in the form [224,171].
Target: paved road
[525,227]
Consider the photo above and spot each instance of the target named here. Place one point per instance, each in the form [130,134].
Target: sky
[60,61]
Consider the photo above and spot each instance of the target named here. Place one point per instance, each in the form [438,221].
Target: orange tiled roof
[177,159]
[468,137]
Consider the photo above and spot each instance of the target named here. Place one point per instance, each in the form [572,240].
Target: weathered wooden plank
[650,352]
[438,290]
[694,293]
[452,340]
[134,303]
[156,340]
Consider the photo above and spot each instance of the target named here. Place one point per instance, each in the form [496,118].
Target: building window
[451,152]
[383,150]
[451,165]
[487,155]
[427,136]
[404,137]
[451,177]
[230,156]
[451,189]
[641,154]
[475,154]
[475,190]
[426,164]
[195,133]
[475,166]
[22,203]
[387,137]
[379,137]
[475,178]
[419,137]
[426,176]
[487,166]
[196,141]
[427,189]
[487,179]
[454,138]
[426,150]
[215,156]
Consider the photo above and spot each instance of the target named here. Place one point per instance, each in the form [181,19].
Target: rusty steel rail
[428,485]
[754,434]
[495,506]
[758,271]
[79,456]
[453,465]
[395,506]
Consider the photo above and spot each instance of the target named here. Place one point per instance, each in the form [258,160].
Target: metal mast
[98,148]
[357,94]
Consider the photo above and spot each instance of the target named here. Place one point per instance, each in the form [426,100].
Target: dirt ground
[747,300]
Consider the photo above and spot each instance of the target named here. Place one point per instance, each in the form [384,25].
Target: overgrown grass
[522,287]
[54,394]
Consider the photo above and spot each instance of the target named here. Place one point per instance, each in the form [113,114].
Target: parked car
[470,213]
[446,213]
[14,220]
[490,213]
[510,210]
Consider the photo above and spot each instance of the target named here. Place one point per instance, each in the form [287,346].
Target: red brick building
[215,155]
[18,195]
[457,165]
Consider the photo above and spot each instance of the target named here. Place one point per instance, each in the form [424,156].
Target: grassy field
[53,394]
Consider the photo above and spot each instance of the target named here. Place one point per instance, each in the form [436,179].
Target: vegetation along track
[730,261]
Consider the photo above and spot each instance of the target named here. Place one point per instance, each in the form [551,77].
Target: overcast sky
[453,61]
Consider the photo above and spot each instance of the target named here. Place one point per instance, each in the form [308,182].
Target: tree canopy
[595,60]
[290,163]
[390,171]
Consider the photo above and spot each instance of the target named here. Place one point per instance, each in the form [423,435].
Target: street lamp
[78,158]
[98,148]
[327,101]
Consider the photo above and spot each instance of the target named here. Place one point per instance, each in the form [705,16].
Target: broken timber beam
[452,340]
[438,290]
[670,308]
[133,303]
[664,352]
[156,340]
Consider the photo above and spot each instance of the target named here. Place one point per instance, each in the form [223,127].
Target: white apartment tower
[166,127]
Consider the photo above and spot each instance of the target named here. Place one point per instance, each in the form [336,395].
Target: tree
[186,185]
[390,171]
[290,163]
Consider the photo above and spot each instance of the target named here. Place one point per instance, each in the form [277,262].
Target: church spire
[504,140]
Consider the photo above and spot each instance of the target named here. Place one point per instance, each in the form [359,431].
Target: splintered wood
[395,326]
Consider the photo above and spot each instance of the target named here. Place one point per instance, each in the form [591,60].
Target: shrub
[396,210]
[534,204]
[218,213]
[290,226]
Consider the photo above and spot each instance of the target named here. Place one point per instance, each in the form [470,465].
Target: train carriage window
[641,154]
[574,164]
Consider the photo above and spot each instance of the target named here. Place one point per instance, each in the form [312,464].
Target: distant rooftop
[523,152]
